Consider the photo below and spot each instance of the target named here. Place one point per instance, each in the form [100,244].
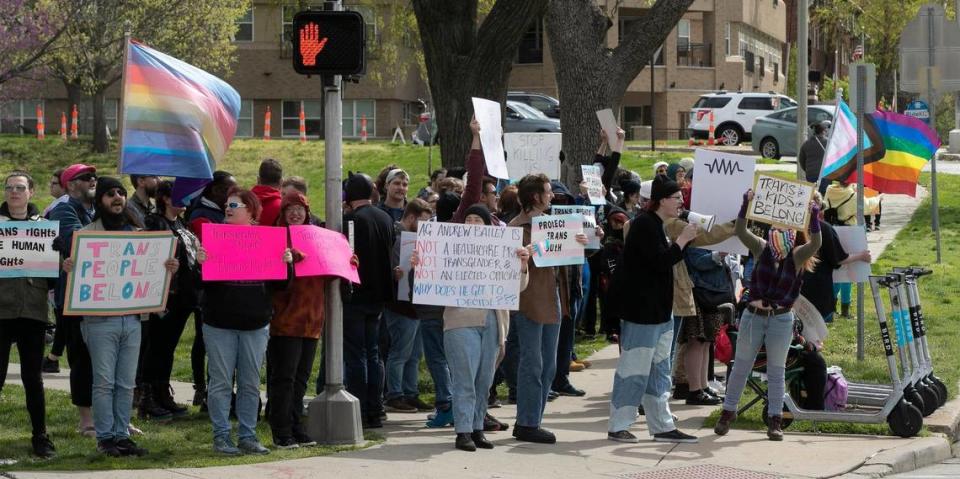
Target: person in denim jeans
[113,341]
[775,284]
[431,336]
[236,325]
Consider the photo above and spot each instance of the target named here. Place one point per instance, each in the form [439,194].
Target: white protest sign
[468,266]
[854,240]
[532,153]
[591,176]
[117,273]
[589,221]
[491,131]
[718,188]
[609,125]
[408,239]
[782,203]
[26,249]
[814,329]
[554,240]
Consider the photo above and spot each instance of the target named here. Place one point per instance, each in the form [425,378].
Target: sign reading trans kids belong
[470,266]
[118,273]
[554,239]
[781,203]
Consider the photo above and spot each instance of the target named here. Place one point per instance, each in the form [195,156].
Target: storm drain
[702,471]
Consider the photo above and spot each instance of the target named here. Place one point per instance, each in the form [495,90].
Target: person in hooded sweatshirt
[269,179]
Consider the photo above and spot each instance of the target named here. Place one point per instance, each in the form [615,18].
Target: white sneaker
[717,386]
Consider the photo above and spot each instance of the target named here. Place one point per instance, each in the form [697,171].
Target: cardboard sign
[243,253]
[554,240]
[118,272]
[589,221]
[609,124]
[491,132]
[327,253]
[26,249]
[591,175]
[814,328]
[408,240]
[854,240]
[533,153]
[781,203]
[718,189]
[468,266]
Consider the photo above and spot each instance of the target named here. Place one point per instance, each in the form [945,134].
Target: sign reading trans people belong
[118,273]
[26,249]
[554,239]
[469,266]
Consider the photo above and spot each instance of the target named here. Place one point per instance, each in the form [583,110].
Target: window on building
[531,45]
[244,31]
[410,113]
[245,122]
[353,113]
[683,34]
[312,111]
[748,61]
[370,18]
[726,38]
[85,114]
[20,116]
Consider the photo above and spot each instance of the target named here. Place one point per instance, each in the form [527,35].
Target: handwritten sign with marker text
[554,240]
[469,266]
[118,272]
[589,221]
[721,180]
[532,153]
[26,249]
[408,240]
[326,253]
[243,253]
[781,203]
[591,176]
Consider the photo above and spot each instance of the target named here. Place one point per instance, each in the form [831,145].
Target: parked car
[775,135]
[547,104]
[521,117]
[733,114]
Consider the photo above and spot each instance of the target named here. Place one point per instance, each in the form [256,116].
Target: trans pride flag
[178,120]
[840,155]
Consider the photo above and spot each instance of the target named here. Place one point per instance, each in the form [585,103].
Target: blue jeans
[472,354]
[114,344]
[537,349]
[363,371]
[403,358]
[431,335]
[844,290]
[229,351]
[642,377]
[774,332]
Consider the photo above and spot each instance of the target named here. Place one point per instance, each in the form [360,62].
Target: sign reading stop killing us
[118,273]
[554,239]
[781,203]
[26,249]
[469,266]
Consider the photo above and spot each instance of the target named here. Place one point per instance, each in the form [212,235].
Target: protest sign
[719,185]
[532,153]
[814,329]
[469,266]
[591,175]
[609,124]
[782,203]
[854,240]
[491,131]
[408,240]
[118,272]
[243,253]
[26,249]
[326,253]
[589,221]
[554,240]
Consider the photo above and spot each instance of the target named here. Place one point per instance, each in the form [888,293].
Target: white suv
[733,114]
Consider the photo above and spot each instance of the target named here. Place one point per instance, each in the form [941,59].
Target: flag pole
[861,107]
[122,125]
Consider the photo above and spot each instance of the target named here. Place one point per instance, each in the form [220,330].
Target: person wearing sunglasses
[23,315]
[114,341]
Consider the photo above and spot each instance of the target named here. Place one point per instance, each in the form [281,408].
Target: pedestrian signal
[329,43]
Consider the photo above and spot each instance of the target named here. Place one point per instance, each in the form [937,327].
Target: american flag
[858,53]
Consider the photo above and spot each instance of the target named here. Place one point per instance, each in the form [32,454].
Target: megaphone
[704,221]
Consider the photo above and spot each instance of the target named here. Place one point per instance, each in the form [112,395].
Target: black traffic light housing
[329,43]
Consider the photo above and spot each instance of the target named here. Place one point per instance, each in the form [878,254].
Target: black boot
[148,408]
[845,310]
[480,440]
[163,397]
[465,442]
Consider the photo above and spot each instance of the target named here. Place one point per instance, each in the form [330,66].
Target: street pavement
[947,469]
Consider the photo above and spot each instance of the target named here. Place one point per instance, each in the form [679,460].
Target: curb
[919,453]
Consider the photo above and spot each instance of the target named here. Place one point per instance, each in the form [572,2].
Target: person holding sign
[113,341]
[236,323]
[646,327]
[23,312]
[775,284]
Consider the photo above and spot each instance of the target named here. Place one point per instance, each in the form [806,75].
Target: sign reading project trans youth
[326,253]
[722,179]
[554,240]
[118,272]
[591,176]
[589,221]
[469,266]
[26,249]
[532,153]
[243,253]
[781,203]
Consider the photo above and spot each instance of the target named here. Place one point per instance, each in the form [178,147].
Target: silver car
[527,119]
[775,135]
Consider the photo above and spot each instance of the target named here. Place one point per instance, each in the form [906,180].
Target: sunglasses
[17,188]
[235,205]
[115,193]
[85,177]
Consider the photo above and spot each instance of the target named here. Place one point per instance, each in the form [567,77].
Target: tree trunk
[100,143]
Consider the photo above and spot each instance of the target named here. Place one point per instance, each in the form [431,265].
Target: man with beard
[141,203]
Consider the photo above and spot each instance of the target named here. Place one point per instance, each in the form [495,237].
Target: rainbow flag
[909,144]
[178,120]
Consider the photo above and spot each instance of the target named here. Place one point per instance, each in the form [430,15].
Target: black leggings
[165,334]
[198,353]
[29,335]
[289,363]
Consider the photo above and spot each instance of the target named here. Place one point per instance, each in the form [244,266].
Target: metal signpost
[863,97]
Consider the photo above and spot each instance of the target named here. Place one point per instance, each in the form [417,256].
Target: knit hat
[358,187]
[629,187]
[105,184]
[687,163]
[663,187]
[447,205]
[74,171]
[646,188]
[617,216]
[657,165]
[293,198]
[480,211]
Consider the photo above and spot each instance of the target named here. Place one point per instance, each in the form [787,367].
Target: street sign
[863,83]
[918,110]
[930,41]
[327,42]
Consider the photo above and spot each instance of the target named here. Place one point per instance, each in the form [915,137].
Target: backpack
[832,214]
[835,391]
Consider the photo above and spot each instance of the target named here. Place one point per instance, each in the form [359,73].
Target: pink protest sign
[327,253]
[239,253]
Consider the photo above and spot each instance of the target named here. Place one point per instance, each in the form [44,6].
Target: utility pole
[803,18]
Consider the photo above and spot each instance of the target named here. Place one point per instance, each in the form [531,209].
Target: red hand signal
[311,44]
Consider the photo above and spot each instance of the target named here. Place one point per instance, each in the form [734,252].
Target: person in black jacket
[646,330]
